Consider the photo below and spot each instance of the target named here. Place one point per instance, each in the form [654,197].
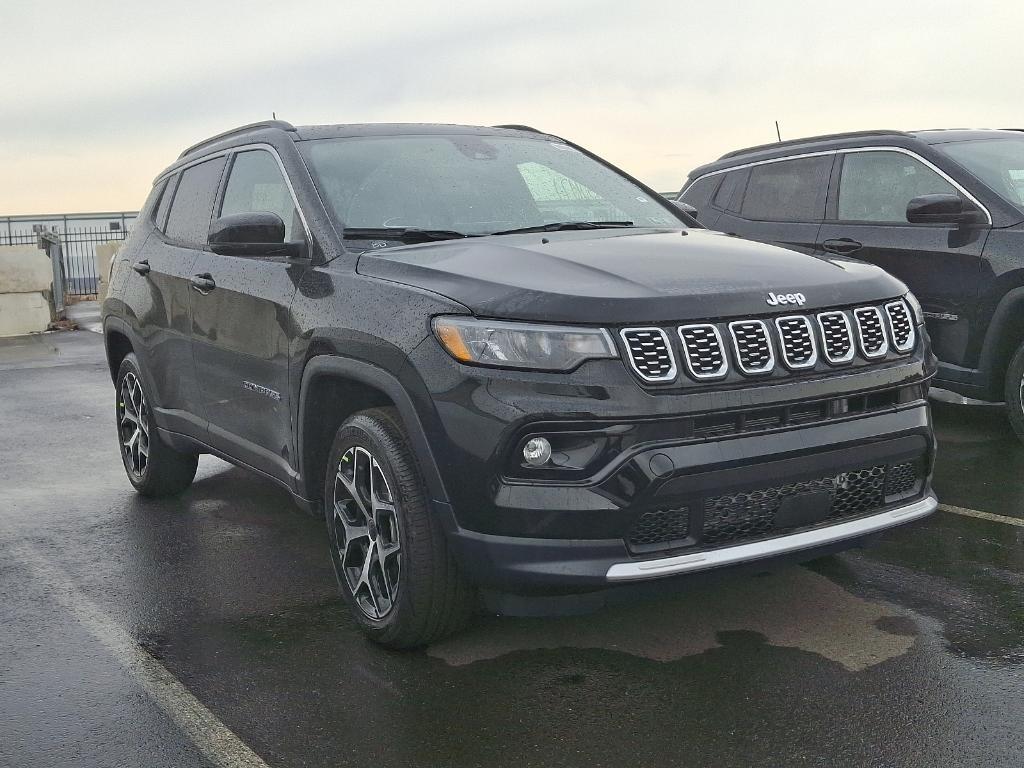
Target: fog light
[537,451]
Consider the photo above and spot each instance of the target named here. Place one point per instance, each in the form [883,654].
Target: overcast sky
[97,97]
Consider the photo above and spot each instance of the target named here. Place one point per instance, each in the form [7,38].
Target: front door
[941,264]
[241,326]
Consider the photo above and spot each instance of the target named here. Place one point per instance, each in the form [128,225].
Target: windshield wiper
[562,225]
[403,234]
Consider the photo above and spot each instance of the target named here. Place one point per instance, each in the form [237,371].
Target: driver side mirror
[260,233]
[942,209]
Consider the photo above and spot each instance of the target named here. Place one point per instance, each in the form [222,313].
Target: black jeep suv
[941,210]
[503,368]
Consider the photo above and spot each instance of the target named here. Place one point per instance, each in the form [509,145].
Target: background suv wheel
[1015,392]
[154,468]
[389,552]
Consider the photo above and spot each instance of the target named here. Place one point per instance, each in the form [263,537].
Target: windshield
[473,185]
[997,162]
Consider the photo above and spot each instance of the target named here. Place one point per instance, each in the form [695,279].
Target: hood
[626,276]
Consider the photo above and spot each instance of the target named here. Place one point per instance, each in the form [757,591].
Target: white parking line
[982,515]
[222,747]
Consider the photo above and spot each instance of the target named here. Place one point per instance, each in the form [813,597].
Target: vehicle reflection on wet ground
[910,653]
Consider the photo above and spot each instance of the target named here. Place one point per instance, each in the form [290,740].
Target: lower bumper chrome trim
[702,561]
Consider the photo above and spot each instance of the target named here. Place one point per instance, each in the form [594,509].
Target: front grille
[870,331]
[733,518]
[659,527]
[901,326]
[836,337]
[650,353]
[753,346]
[703,351]
[796,342]
[711,351]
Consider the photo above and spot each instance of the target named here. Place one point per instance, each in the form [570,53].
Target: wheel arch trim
[348,369]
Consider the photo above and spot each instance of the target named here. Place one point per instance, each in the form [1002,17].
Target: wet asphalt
[909,653]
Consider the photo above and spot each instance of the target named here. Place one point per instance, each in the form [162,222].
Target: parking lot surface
[207,630]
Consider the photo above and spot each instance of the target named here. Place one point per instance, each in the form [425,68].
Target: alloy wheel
[133,424]
[366,533]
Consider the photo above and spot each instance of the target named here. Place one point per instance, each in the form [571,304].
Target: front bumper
[783,495]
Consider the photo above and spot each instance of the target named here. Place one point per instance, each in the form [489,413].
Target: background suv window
[192,209]
[791,190]
[698,194]
[876,186]
[256,184]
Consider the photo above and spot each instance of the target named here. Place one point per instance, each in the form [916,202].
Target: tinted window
[165,203]
[997,162]
[192,208]
[792,190]
[699,193]
[256,184]
[876,186]
[727,191]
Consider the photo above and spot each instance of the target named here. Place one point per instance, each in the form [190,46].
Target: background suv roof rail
[281,124]
[810,139]
[513,127]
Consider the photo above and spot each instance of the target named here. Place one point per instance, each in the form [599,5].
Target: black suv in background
[501,367]
[942,210]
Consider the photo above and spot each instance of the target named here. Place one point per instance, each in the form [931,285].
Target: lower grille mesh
[735,517]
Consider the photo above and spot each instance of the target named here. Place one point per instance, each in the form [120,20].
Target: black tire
[414,593]
[153,467]
[1015,392]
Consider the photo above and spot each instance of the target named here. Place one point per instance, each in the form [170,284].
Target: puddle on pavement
[793,608]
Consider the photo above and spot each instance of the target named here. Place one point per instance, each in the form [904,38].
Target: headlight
[521,345]
[915,307]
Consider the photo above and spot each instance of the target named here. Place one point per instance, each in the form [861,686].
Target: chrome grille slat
[796,339]
[650,353]
[703,351]
[901,326]
[836,337]
[752,346]
[871,332]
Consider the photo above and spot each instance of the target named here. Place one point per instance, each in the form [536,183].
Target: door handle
[142,267]
[842,245]
[203,283]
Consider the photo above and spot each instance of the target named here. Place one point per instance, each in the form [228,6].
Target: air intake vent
[650,353]
[836,337]
[901,326]
[753,347]
[797,340]
[870,332]
[703,351]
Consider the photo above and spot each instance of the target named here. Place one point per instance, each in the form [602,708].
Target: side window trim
[833,213]
[229,166]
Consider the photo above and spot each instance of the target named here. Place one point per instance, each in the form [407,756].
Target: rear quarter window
[698,194]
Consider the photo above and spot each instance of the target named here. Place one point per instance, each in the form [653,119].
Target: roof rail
[281,124]
[808,139]
[513,127]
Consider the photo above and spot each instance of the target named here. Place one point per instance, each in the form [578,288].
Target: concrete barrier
[25,281]
[105,253]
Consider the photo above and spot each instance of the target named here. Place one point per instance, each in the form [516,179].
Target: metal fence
[79,247]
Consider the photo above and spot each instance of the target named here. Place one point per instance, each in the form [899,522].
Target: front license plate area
[803,509]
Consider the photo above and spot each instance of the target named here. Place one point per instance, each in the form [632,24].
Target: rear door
[241,324]
[940,263]
[158,286]
[779,201]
